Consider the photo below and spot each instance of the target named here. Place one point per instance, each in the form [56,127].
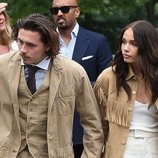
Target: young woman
[6,42]
[127,94]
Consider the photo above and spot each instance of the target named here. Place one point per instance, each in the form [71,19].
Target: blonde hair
[6,35]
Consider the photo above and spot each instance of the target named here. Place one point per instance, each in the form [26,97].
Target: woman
[6,42]
[127,94]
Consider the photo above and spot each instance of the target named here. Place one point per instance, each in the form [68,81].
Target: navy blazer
[92,51]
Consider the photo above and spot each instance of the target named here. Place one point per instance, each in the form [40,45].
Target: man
[89,49]
[37,119]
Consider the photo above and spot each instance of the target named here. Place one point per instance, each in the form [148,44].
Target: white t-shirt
[144,118]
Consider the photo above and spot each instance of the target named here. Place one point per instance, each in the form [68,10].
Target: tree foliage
[104,16]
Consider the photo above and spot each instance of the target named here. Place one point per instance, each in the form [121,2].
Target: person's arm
[101,93]
[90,120]
[101,100]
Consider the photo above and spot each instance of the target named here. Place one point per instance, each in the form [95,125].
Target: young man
[37,122]
[89,49]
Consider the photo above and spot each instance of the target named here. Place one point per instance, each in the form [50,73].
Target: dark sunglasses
[63,9]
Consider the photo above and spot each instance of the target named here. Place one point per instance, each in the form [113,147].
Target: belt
[142,134]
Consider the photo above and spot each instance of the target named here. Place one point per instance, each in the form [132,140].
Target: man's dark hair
[40,23]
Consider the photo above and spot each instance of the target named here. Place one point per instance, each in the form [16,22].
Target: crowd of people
[63,94]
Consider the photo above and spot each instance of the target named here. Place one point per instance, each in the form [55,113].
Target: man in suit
[40,91]
[89,49]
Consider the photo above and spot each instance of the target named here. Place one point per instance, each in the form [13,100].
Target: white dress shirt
[67,50]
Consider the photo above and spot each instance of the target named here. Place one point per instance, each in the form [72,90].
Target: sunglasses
[63,9]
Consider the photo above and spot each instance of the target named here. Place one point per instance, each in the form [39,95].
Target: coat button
[130,109]
[133,92]
[123,142]
[14,151]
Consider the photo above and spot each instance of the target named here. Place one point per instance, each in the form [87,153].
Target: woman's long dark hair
[146,37]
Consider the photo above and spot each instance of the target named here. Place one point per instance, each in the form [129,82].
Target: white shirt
[14,46]
[143,118]
[68,50]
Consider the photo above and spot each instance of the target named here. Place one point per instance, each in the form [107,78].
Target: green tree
[104,16]
[19,9]
[109,16]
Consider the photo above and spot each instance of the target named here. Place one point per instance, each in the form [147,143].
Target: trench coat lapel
[55,79]
[15,68]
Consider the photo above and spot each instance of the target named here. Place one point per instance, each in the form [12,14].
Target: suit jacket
[92,51]
[69,89]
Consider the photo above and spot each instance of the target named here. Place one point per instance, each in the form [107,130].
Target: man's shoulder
[91,33]
[68,63]
[69,68]
[7,56]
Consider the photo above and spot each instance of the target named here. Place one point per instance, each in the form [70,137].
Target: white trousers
[141,144]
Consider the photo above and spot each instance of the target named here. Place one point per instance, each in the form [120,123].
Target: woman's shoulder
[107,74]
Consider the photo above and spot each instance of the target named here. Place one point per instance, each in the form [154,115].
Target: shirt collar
[44,64]
[74,31]
[131,73]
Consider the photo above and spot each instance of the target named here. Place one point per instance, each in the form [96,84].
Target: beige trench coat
[69,89]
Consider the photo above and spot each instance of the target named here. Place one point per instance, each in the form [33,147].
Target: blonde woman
[6,42]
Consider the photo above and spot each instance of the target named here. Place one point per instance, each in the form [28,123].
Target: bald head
[65,14]
[64,2]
